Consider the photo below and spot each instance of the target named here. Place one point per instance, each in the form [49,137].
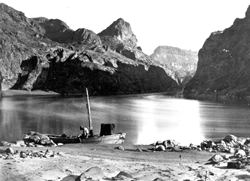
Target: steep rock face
[224,63]
[121,30]
[20,39]
[181,64]
[120,38]
[59,31]
[46,54]
[72,78]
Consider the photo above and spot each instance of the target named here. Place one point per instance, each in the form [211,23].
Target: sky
[179,23]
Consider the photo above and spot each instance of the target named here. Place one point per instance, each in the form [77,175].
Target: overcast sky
[180,23]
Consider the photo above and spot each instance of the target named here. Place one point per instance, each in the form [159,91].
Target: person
[85,132]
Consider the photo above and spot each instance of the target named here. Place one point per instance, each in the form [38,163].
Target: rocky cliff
[58,31]
[20,39]
[46,54]
[120,30]
[224,63]
[120,38]
[179,63]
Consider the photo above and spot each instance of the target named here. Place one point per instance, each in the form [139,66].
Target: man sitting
[85,132]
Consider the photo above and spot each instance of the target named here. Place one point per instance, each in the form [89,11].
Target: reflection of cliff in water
[144,117]
[10,127]
[43,115]
[59,115]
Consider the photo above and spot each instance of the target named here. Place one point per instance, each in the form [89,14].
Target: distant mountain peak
[4,6]
[248,12]
[8,12]
[174,50]
[180,64]
[121,30]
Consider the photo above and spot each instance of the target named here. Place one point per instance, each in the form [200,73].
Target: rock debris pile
[236,149]
[32,139]
[10,153]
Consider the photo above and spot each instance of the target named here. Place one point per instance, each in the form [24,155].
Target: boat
[64,139]
[106,135]
[117,138]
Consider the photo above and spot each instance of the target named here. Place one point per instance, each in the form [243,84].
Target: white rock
[240,153]
[9,150]
[232,150]
[216,158]
[160,148]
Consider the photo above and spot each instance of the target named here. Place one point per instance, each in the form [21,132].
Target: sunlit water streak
[145,118]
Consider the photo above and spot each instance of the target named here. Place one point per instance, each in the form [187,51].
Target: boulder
[34,139]
[221,146]
[207,144]
[23,154]
[226,157]
[93,173]
[30,144]
[139,149]
[230,138]
[170,143]
[20,143]
[247,142]
[216,159]
[39,146]
[122,176]
[160,148]
[119,148]
[5,143]
[9,150]
[231,150]
[241,141]
[209,150]
[247,150]
[158,179]
[240,154]
[158,143]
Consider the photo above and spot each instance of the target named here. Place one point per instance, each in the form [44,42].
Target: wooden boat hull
[118,138]
[65,140]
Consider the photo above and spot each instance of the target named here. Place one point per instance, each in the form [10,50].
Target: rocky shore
[37,158]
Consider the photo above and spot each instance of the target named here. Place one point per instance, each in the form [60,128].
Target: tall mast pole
[89,114]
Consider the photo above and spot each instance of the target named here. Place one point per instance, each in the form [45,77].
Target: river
[145,118]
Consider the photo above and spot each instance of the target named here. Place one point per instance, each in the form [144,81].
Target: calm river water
[145,118]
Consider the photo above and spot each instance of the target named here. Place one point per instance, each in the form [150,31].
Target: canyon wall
[41,53]
[180,64]
[224,63]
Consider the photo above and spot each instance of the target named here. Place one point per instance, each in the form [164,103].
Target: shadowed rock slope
[179,63]
[120,38]
[46,54]
[224,64]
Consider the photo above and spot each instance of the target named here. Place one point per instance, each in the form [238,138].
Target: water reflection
[145,118]
[219,119]
[168,119]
